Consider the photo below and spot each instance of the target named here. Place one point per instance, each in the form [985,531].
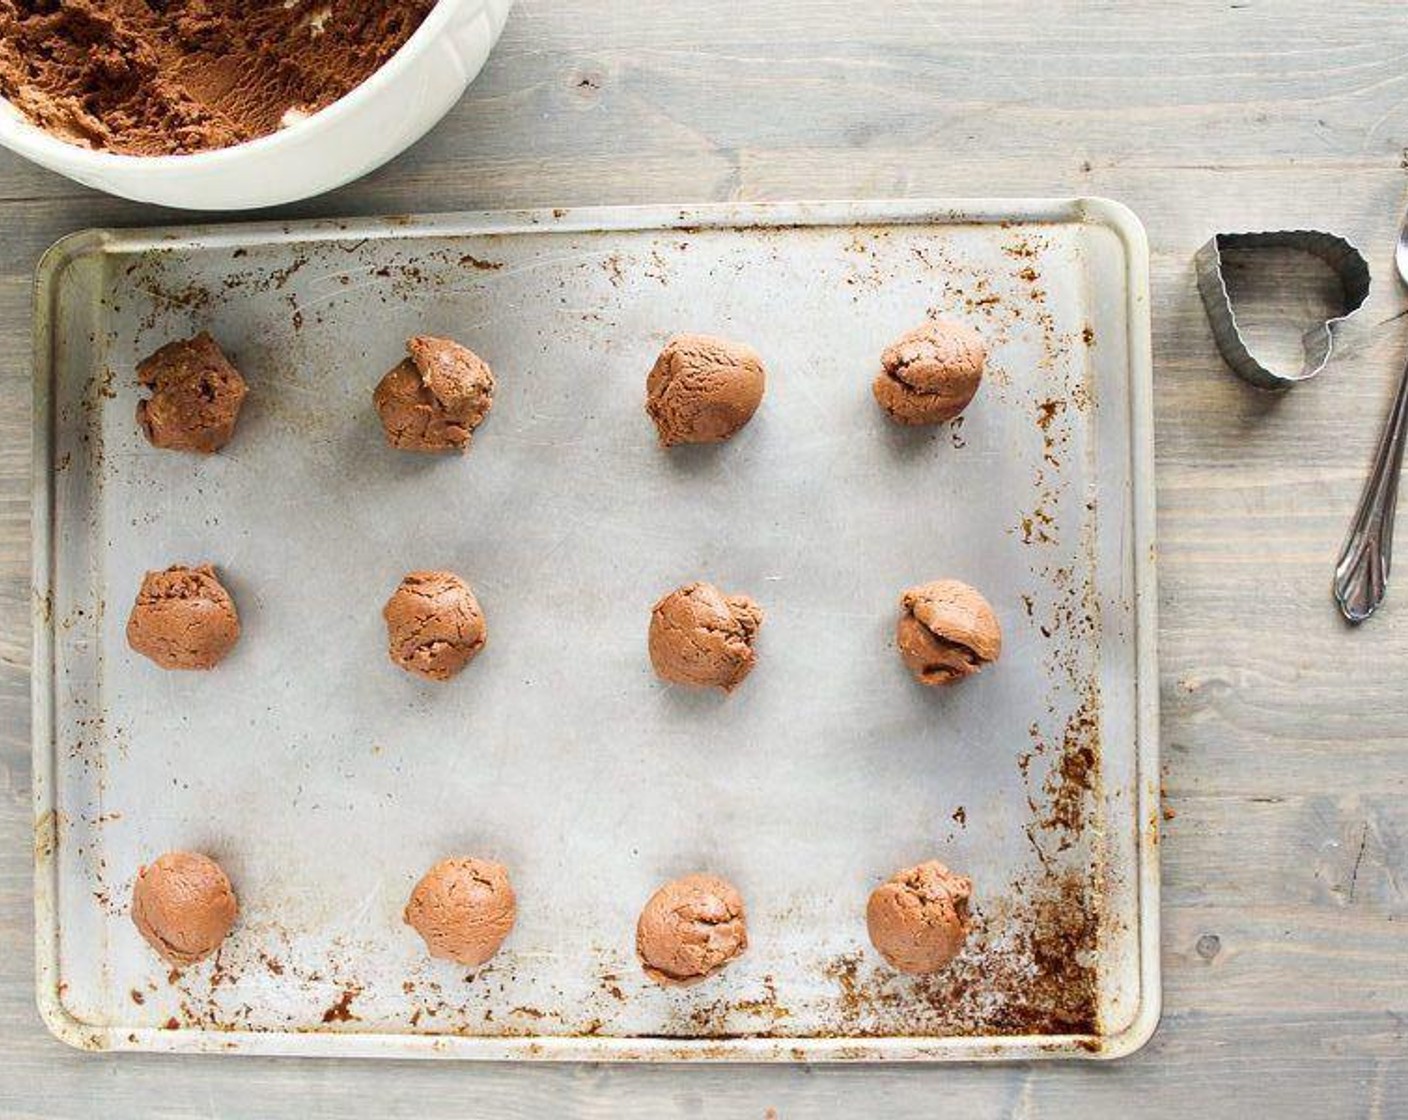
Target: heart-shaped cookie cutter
[1344,259]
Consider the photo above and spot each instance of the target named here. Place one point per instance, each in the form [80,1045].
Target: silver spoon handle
[1361,576]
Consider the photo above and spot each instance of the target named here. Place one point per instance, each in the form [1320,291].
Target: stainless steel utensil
[1361,575]
[1348,264]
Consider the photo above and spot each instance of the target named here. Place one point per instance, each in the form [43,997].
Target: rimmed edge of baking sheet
[349,1044]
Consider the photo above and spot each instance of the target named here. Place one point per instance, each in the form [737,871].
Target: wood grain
[1285,734]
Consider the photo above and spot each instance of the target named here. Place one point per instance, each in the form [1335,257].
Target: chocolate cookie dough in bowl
[220,105]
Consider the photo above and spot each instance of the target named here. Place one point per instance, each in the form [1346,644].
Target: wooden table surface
[1285,733]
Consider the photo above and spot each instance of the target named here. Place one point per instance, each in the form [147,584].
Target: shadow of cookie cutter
[1344,259]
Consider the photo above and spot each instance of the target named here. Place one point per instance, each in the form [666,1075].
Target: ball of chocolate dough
[463,908]
[918,918]
[690,928]
[946,631]
[930,374]
[183,618]
[184,906]
[699,636]
[434,626]
[195,399]
[436,397]
[703,389]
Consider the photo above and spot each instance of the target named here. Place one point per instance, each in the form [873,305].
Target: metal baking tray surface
[326,782]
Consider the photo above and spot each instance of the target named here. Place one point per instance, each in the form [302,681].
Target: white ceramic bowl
[382,117]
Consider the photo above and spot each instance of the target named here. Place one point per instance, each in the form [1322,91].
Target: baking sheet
[326,781]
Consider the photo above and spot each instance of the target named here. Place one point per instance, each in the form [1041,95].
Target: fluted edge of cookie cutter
[1340,255]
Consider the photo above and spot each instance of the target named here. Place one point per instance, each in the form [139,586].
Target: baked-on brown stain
[946,631]
[435,398]
[341,1011]
[703,389]
[930,375]
[1032,973]
[196,394]
[180,76]
[1075,776]
[690,929]
[701,637]
[184,906]
[183,618]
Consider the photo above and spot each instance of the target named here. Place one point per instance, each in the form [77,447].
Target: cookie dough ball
[463,908]
[195,399]
[918,918]
[183,905]
[183,618]
[703,389]
[434,626]
[435,398]
[690,929]
[930,374]
[946,631]
[699,636]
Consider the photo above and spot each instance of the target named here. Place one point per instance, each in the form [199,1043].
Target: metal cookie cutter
[1348,264]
